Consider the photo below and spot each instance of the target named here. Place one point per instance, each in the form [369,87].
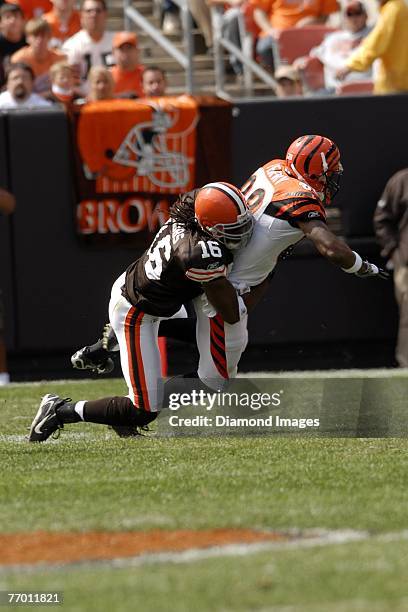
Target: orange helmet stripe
[233,194]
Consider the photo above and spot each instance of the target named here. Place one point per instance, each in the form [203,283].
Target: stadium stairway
[152,54]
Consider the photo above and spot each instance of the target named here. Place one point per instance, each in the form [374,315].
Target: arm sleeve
[204,276]
[203,266]
[376,43]
[296,209]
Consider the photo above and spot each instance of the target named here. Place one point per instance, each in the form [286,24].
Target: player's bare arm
[253,297]
[337,251]
[328,245]
[222,295]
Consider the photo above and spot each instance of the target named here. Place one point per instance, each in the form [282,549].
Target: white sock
[79,409]
[4,378]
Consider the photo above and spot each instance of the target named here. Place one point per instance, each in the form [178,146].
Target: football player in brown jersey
[190,255]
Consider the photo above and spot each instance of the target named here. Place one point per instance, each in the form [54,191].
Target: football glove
[368,270]
[109,340]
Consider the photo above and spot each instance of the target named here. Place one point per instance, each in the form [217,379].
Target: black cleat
[81,360]
[126,431]
[46,420]
[129,431]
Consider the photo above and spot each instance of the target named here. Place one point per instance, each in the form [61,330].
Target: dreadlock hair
[182,212]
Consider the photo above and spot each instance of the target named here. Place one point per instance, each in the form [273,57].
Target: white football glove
[207,308]
[368,269]
[240,287]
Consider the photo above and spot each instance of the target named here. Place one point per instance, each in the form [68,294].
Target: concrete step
[201,62]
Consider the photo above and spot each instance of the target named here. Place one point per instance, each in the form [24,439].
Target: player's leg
[220,346]
[98,357]
[140,358]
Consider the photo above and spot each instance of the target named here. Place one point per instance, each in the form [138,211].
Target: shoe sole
[35,422]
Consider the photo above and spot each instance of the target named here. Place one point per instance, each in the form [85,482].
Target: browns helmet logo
[139,146]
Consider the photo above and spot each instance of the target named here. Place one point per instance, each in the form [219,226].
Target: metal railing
[186,58]
[244,55]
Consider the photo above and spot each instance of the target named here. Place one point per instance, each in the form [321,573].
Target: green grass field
[91,480]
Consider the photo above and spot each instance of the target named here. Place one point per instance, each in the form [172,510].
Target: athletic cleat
[126,431]
[46,421]
[81,360]
[129,431]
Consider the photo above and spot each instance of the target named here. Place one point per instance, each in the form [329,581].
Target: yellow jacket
[388,41]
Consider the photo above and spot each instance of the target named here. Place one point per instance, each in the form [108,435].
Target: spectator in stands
[7,205]
[391,228]
[289,82]
[37,54]
[32,9]
[231,29]
[337,47]
[127,73]
[12,36]
[387,42]
[92,45]
[64,20]
[201,12]
[19,92]
[274,15]
[154,82]
[100,84]
[62,84]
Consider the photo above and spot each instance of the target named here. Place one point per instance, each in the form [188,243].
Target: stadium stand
[355,87]
[295,42]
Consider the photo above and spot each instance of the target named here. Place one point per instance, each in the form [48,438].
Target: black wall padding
[6,254]
[310,300]
[63,288]
[371,132]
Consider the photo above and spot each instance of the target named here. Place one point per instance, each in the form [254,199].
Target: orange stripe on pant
[217,345]
[135,360]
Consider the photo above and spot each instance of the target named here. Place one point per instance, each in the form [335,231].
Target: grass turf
[90,479]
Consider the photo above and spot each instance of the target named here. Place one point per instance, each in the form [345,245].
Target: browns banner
[134,157]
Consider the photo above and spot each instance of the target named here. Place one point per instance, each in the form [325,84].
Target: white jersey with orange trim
[278,202]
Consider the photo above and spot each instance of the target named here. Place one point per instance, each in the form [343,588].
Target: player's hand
[369,270]
[207,308]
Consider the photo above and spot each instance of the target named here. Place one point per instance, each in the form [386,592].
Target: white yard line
[306,539]
[321,374]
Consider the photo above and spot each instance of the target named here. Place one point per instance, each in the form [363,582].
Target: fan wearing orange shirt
[64,20]
[37,54]
[127,73]
[274,15]
[32,8]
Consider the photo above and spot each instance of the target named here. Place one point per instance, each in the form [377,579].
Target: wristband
[356,265]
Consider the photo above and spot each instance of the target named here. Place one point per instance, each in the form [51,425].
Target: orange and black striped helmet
[316,160]
[222,211]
